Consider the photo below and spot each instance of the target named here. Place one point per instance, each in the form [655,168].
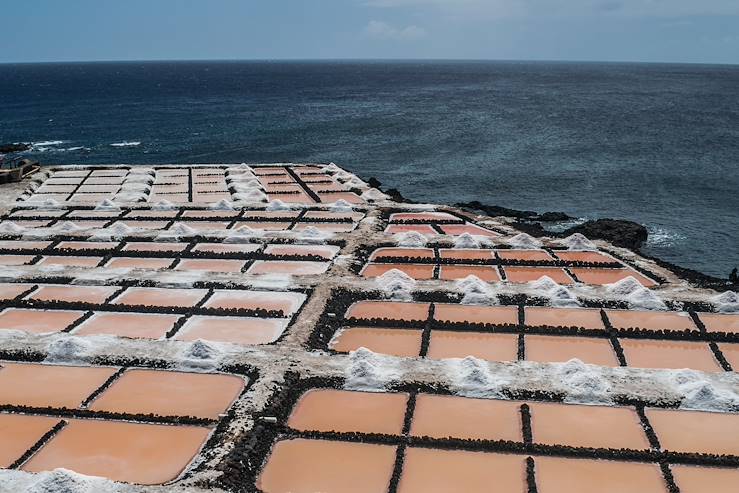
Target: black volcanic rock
[620,232]
[496,210]
[7,148]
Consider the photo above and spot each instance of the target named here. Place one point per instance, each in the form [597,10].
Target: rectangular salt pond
[130,452]
[395,342]
[236,330]
[646,353]
[36,385]
[348,411]
[19,433]
[170,393]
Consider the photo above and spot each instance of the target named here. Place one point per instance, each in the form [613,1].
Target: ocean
[654,143]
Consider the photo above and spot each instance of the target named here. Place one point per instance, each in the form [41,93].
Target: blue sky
[703,31]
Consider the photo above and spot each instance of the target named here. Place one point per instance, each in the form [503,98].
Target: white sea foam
[125,144]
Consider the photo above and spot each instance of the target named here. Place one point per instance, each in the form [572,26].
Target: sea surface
[654,143]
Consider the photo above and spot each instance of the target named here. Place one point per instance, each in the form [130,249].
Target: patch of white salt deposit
[583,383]
[699,393]
[726,302]
[107,205]
[475,291]
[222,205]
[411,239]
[631,290]
[396,285]
[370,372]
[340,205]
[56,481]
[471,377]
[524,241]
[466,240]
[373,195]
[164,205]
[277,205]
[577,241]
[558,295]
[9,227]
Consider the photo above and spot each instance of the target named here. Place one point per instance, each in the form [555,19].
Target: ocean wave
[78,148]
[660,237]
[47,143]
[125,144]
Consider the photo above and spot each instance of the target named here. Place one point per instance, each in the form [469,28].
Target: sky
[694,31]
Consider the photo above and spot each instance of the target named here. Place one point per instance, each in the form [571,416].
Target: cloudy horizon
[586,30]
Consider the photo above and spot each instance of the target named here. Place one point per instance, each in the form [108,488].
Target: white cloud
[568,8]
[385,31]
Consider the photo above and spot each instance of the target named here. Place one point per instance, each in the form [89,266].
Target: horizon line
[386,60]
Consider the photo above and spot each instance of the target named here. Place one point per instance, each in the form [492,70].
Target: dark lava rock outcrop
[620,232]
[8,148]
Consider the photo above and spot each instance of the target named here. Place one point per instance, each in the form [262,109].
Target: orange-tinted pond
[347,411]
[237,330]
[139,263]
[160,297]
[292,268]
[527,274]
[696,431]
[35,385]
[654,320]
[392,310]
[311,466]
[442,416]
[540,316]
[557,349]
[438,471]
[125,324]
[37,321]
[211,265]
[492,347]
[529,255]
[130,452]
[488,273]
[559,475]
[252,300]
[609,276]
[402,252]
[695,479]
[395,342]
[720,322]
[587,426]
[170,393]
[20,432]
[416,271]
[498,315]
[644,353]
[83,294]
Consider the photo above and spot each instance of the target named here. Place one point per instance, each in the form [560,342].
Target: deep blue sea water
[658,144]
